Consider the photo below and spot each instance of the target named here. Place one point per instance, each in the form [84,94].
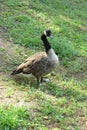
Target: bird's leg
[41,80]
[38,83]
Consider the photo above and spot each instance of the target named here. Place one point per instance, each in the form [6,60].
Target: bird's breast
[53,57]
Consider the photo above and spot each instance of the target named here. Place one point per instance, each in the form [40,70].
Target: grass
[62,103]
[13,117]
[56,106]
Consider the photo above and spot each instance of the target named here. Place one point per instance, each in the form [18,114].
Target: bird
[41,63]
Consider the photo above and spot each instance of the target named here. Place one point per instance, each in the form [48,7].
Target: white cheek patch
[45,33]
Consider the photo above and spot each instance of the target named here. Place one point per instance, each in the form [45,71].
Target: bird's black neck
[46,43]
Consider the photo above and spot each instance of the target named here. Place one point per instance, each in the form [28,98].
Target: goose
[41,63]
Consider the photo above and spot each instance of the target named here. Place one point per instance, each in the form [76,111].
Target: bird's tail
[14,72]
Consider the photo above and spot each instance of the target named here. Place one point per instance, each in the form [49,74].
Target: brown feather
[38,64]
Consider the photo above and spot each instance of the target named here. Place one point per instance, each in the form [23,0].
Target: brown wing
[41,66]
[31,63]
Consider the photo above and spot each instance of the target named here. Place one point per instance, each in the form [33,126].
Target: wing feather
[31,63]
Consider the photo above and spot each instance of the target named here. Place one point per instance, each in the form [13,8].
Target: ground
[7,53]
[9,91]
[60,104]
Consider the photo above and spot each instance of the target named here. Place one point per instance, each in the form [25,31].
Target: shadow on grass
[68,91]
[25,80]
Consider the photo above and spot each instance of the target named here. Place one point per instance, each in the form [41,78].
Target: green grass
[52,104]
[62,103]
[66,19]
[12,117]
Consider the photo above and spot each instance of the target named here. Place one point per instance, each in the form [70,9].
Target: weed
[12,117]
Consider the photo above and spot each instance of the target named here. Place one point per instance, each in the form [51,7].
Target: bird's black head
[48,32]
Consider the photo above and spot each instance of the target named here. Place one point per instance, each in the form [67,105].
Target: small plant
[9,92]
[12,117]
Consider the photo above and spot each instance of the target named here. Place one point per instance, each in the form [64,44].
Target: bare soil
[7,55]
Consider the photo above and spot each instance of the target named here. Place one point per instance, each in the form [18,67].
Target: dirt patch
[83,28]
[9,95]
[17,97]
[3,7]
[83,123]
